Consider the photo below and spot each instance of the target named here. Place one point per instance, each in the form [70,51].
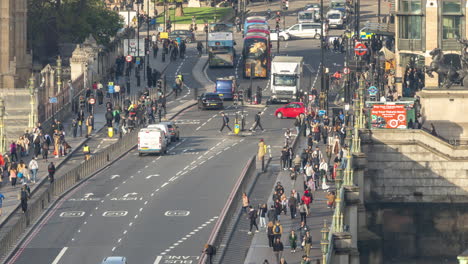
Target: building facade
[421,26]
[15,60]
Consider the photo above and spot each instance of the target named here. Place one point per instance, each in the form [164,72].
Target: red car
[290,110]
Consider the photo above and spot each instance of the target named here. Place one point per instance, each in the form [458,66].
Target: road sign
[346,70]
[360,49]
[322,112]
[372,90]
[134,47]
[129,58]
[138,61]
[92,101]
[53,100]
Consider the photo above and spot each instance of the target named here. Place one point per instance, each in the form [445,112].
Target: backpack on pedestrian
[277,229]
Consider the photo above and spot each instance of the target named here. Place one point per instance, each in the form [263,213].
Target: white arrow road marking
[114,176]
[128,194]
[88,195]
[153,175]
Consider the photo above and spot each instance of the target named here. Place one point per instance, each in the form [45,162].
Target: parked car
[174,131]
[312,7]
[210,101]
[185,35]
[282,35]
[114,260]
[290,110]
[305,30]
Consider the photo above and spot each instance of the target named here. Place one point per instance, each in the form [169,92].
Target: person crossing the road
[225,122]
[258,122]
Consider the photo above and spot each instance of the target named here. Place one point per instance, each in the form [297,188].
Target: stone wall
[413,166]
[418,232]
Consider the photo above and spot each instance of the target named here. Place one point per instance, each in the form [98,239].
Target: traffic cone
[255,99]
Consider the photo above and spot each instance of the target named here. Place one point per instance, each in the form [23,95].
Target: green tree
[51,22]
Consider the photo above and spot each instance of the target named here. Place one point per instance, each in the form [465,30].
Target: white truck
[151,141]
[286,76]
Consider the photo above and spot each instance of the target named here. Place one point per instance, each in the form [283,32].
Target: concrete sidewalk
[259,249]
[11,202]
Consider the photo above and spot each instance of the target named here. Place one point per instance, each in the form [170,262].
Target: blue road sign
[53,100]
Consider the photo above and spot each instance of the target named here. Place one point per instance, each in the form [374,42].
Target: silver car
[114,260]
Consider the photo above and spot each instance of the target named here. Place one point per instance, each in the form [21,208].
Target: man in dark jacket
[253,219]
[225,122]
[272,214]
[257,122]
[109,117]
[51,170]
[278,249]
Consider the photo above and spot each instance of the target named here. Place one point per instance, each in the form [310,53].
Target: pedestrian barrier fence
[44,195]
[230,211]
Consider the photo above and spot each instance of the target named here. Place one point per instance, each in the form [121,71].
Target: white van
[165,129]
[305,30]
[335,19]
[151,140]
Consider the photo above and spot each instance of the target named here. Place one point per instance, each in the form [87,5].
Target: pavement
[259,249]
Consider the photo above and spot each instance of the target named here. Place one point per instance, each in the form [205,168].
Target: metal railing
[229,211]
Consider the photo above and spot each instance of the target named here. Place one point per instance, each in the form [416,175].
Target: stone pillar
[431,38]
[344,252]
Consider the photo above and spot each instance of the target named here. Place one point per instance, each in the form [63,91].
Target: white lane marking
[60,255]
[212,148]
[125,232]
[186,167]
[113,249]
[164,184]
[193,162]
[157,260]
[130,224]
[198,128]
[219,152]
[178,173]
[120,239]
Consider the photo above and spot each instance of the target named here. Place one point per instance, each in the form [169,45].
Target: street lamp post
[59,74]
[31,101]
[2,125]
[325,241]
[322,60]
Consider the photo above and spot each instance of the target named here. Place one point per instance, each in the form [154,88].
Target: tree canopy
[51,22]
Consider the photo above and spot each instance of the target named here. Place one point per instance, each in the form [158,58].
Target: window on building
[410,6]
[451,19]
[410,26]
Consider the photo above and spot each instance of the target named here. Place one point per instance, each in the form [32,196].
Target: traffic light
[206,28]
[278,15]
[277,23]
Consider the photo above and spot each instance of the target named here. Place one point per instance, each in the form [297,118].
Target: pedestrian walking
[23,197]
[13,151]
[51,170]
[210,251]
[257,122]
[278,230]
[307,243]
[245,202]
[74,127]
[293,241]
[262,149]
[34,167]
[89,125]
[302,230]
[270,235]
[253,219]
[272,216]
[262,211]
[225,122]
[278,249]
[292,203]
[2,197]
[13,174]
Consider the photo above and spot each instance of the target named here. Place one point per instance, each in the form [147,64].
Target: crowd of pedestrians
[315,166]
